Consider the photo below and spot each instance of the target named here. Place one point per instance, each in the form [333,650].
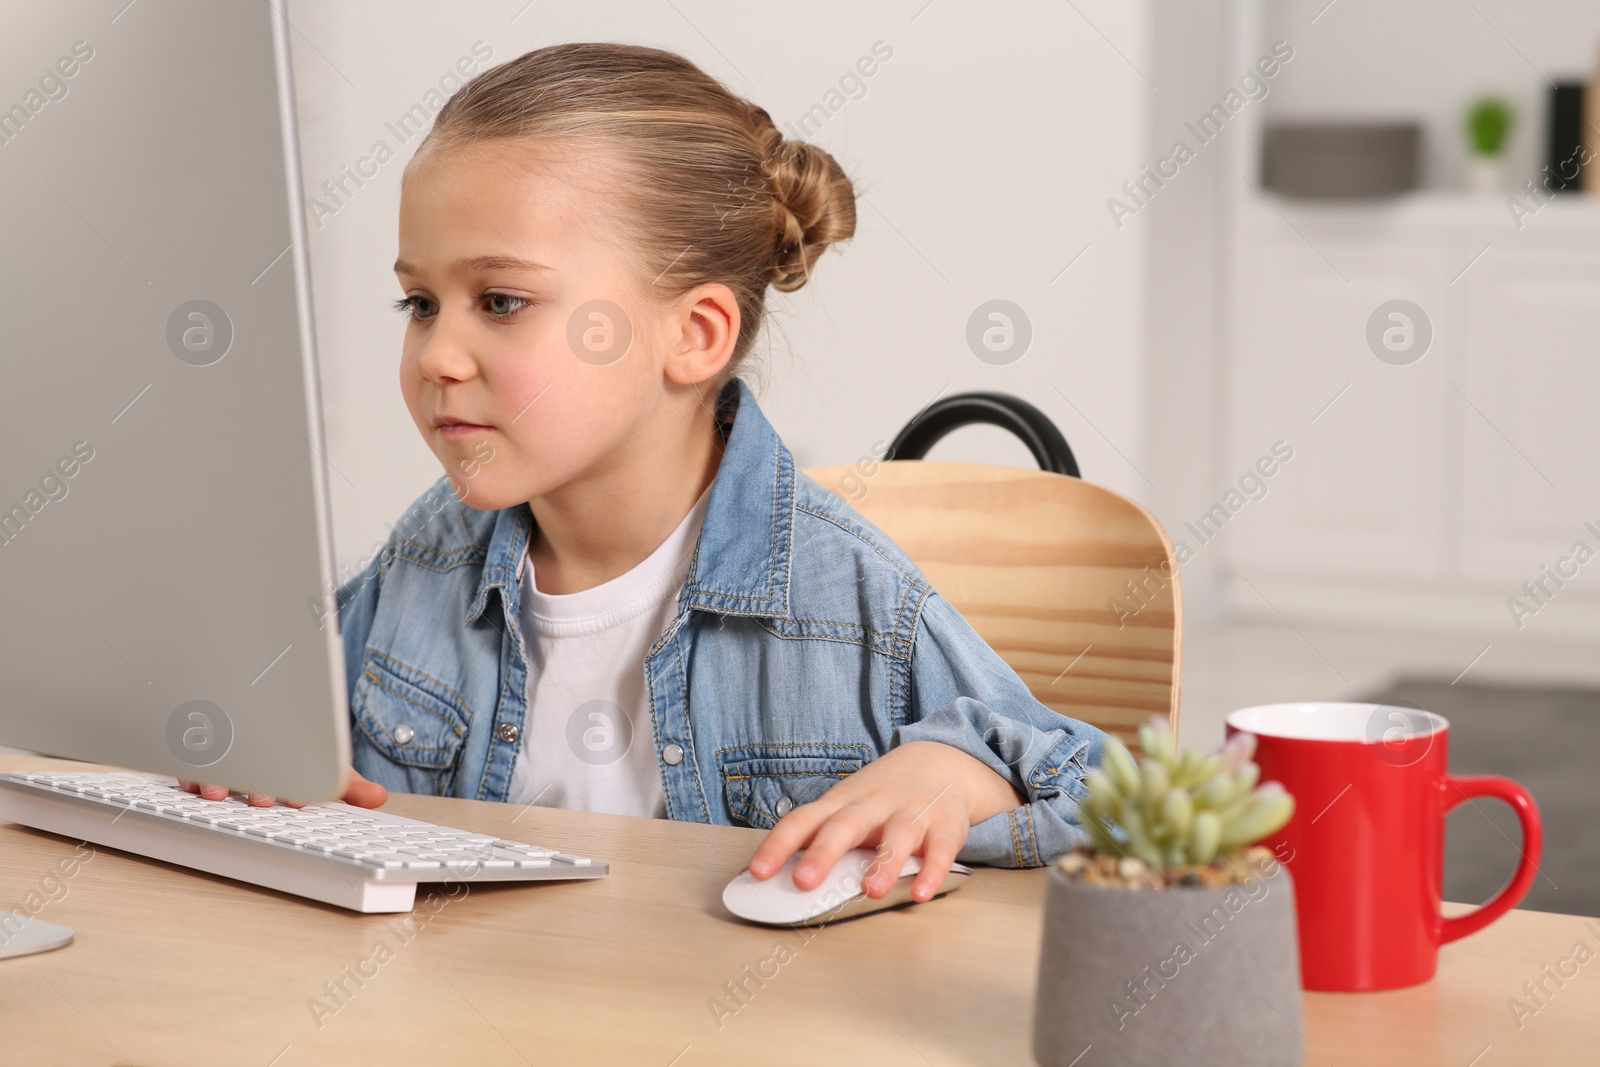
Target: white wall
[1186,224]
[985,149]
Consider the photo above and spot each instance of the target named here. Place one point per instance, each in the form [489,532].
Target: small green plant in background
[1489,121]
[1176,810]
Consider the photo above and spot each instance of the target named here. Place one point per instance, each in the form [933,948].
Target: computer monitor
[165,546]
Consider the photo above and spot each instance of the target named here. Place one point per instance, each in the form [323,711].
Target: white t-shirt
[587,741]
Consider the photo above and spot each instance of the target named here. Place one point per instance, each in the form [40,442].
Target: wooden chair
[1075,586]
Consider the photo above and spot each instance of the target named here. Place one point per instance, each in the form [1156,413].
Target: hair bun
[815,207]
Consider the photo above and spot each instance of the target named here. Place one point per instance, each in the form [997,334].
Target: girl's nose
[445,355]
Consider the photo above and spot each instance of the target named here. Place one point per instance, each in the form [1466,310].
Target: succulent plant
[1177,809]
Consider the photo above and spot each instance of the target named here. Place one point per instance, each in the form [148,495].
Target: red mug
[1366,841]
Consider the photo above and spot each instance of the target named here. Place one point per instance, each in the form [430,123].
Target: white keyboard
[355,858]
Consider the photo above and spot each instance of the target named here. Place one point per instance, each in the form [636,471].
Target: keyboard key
[527,850]
[351,852]
[206,818]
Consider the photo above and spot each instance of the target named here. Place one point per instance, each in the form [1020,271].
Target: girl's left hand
[357,792]
[919,798]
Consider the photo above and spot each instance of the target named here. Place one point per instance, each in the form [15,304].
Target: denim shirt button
[509,732]
[784,806]
[672,754]
[403,734]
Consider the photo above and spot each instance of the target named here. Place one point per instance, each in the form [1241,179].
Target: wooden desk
[172,967]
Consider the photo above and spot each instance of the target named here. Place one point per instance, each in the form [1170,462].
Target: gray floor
[1547,739]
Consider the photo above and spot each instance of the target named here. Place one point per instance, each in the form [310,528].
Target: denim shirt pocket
[410,721]
[757,779]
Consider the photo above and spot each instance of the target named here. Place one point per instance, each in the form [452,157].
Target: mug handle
[1458,791]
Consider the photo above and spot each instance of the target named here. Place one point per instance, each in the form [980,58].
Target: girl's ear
[707,328]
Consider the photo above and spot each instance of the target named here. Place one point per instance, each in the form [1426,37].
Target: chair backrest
[1075,586]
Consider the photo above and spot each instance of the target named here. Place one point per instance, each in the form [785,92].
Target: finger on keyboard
[359,792]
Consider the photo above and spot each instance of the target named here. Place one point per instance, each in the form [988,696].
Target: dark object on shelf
[1564,154]
[1012,413]
[1341,160]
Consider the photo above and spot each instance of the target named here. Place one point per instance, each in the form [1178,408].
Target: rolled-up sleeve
[963,694]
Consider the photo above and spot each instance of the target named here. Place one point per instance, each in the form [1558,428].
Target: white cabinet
[1530,442]
[1362,491]
[1437,487]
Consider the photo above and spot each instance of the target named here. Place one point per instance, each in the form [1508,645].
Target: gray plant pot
[1202,976]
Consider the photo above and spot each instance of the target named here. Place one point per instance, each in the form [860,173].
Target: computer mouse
[777,901]
[27,936]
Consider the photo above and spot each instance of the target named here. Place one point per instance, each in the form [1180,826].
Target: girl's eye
[410,306]
[503,305]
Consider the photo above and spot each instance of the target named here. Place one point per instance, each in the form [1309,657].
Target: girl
[623,596]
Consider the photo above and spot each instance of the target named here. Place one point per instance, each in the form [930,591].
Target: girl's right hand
[357,791]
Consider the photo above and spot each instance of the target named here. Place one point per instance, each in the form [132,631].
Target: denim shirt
[805,645]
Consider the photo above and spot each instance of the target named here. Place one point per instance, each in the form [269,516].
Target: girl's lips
[462,429]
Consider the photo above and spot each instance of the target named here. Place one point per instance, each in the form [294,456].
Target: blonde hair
[712,190]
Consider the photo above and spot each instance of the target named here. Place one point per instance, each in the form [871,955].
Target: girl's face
[532,355]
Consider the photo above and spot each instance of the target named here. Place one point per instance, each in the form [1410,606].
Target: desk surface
[174,967]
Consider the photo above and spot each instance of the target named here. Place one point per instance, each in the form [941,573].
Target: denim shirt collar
[741,560]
